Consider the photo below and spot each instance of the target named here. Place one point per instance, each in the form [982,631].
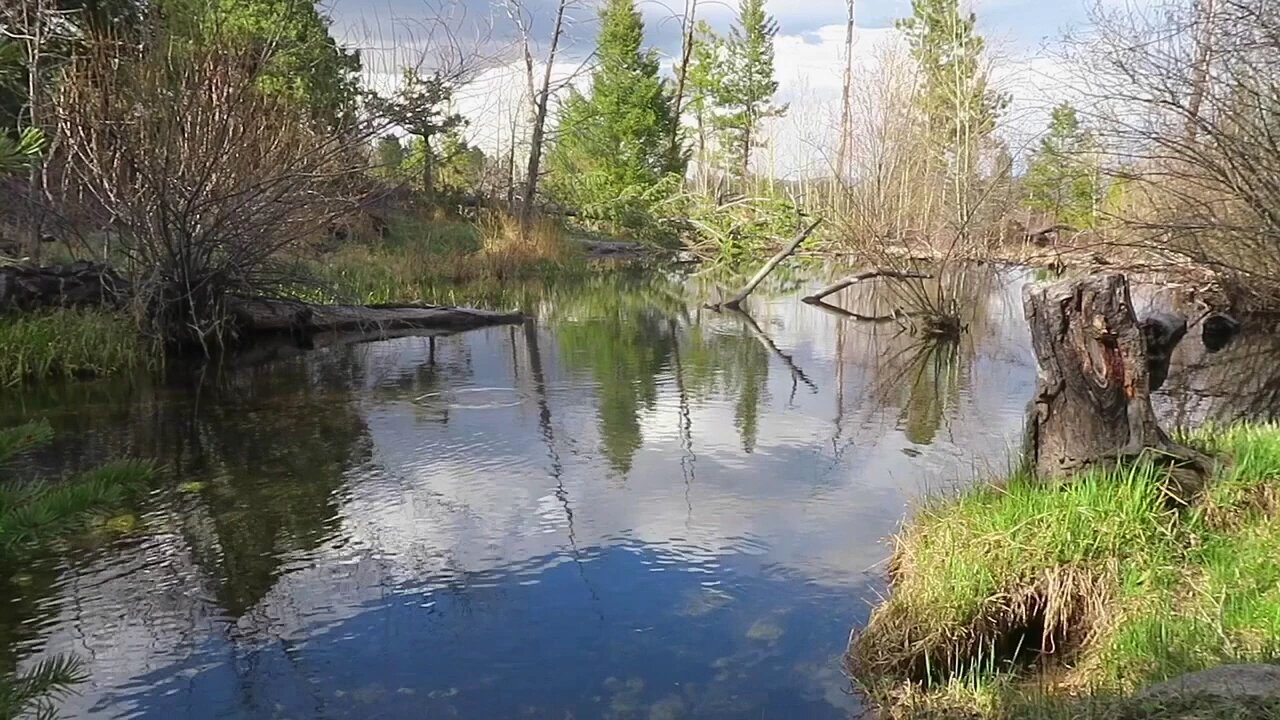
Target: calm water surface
[631,508]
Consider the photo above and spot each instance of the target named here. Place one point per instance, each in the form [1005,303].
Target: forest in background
[213,149]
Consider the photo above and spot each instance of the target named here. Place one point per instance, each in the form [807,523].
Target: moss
[1098,579]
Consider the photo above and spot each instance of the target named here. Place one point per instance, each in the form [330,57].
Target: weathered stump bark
[1097,365]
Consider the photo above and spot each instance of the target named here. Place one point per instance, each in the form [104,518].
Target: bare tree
[539,95]
[1185,97]
[846,98]
[1204,58]
[688,27]
[36,26]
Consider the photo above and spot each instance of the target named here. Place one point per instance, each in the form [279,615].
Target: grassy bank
[447,261]
[71,343]
[1028,601]
[421,259]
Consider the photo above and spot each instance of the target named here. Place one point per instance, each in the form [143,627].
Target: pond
[629,508]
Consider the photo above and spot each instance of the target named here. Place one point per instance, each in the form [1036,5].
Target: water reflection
[630,507]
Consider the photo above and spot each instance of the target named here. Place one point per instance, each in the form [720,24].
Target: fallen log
[1092,404]
[735,302]
[836,287]
[266,315]
[77,284]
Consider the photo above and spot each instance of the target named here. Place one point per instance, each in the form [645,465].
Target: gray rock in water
[1231,682]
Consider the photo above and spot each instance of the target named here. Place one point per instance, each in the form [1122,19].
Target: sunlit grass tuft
[23,437]
[1103,580]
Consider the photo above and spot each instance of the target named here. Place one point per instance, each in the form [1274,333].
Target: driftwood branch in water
[735,302]
[1093,393]
[896,317]
[833,288]
[269,315]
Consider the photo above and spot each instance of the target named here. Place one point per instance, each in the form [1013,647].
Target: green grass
[70,343]
[1119,586]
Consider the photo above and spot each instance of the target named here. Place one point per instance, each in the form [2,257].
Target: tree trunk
[539,123]
[845,150]
[428,169]
[267,315]
[1204,58]
[1093,395]
[682,70]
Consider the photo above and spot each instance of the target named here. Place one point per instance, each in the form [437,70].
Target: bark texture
[268,315]
[78,284]
[1093,394]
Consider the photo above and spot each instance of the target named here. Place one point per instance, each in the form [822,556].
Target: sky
[1021,36]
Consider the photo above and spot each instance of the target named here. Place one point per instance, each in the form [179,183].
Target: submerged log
[263,315]
[1093,395]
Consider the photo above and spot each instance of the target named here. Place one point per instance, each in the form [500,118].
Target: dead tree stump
[1093,395]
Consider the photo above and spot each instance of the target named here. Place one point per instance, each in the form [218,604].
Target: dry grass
[422,258]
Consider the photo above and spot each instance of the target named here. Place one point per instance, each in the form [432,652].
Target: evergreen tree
[704,86]
[423,107]
[960,107]
[459,167]
[748,84]
[304,64]
[390,155]
[615,141]
[1064,177]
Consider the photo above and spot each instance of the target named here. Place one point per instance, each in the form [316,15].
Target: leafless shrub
[205,182]
[1187,94]
[904,211]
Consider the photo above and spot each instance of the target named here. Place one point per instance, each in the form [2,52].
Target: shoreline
[1023,600]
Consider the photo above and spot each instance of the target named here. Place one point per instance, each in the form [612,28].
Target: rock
[1229,682]
[764,630]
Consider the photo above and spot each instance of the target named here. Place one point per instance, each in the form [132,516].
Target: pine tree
[1064,177]
[423,107]
[390,155]
[615,142]
[704,86]
[748,81]
[960,107]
